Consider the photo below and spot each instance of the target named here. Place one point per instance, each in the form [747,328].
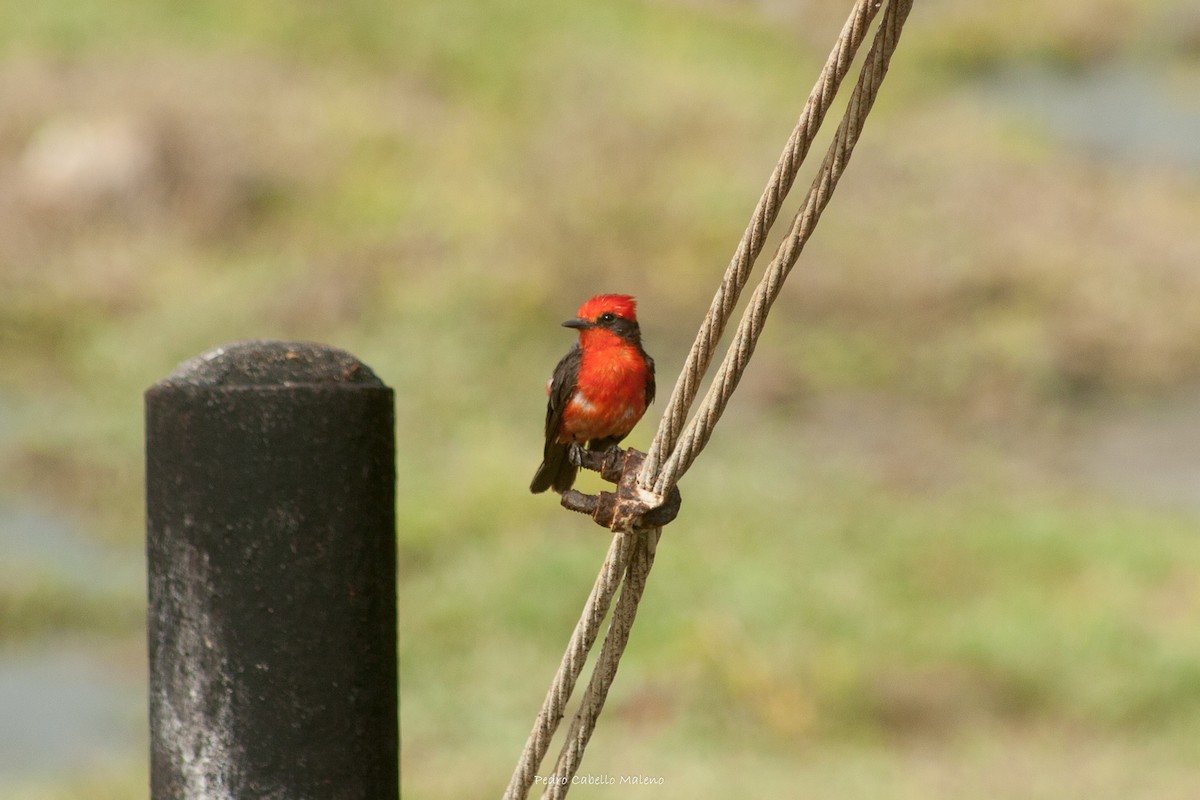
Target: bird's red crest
[622,305]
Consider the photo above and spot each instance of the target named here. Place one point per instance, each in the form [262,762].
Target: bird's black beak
[579,324]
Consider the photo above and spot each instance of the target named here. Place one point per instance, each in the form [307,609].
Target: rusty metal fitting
[630,508]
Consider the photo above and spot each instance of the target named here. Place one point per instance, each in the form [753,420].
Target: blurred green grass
[433,186]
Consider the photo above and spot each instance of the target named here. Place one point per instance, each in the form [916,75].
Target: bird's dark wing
[649,378]
[562,385]
[556,469]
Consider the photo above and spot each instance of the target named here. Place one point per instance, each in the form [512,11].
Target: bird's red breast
[610,390]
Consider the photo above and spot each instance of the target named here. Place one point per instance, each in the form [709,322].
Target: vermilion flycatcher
[599,390]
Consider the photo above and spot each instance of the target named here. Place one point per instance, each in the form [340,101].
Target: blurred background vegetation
[944,543]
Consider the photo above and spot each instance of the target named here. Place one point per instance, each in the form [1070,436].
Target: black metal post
[270,535]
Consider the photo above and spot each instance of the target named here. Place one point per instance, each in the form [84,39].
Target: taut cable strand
[723,303]
[554,706]
[584,722]
[700,428]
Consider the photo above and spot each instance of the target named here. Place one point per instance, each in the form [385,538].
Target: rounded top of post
[265,362]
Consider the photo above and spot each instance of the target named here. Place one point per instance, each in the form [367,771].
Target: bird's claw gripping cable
[630,507]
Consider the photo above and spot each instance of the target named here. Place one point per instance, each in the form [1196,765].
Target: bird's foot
[575,454]
[596,460]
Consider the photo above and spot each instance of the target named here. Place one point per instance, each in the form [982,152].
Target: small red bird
[599,390]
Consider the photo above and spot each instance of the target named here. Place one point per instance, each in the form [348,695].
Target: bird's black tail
[556,471]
